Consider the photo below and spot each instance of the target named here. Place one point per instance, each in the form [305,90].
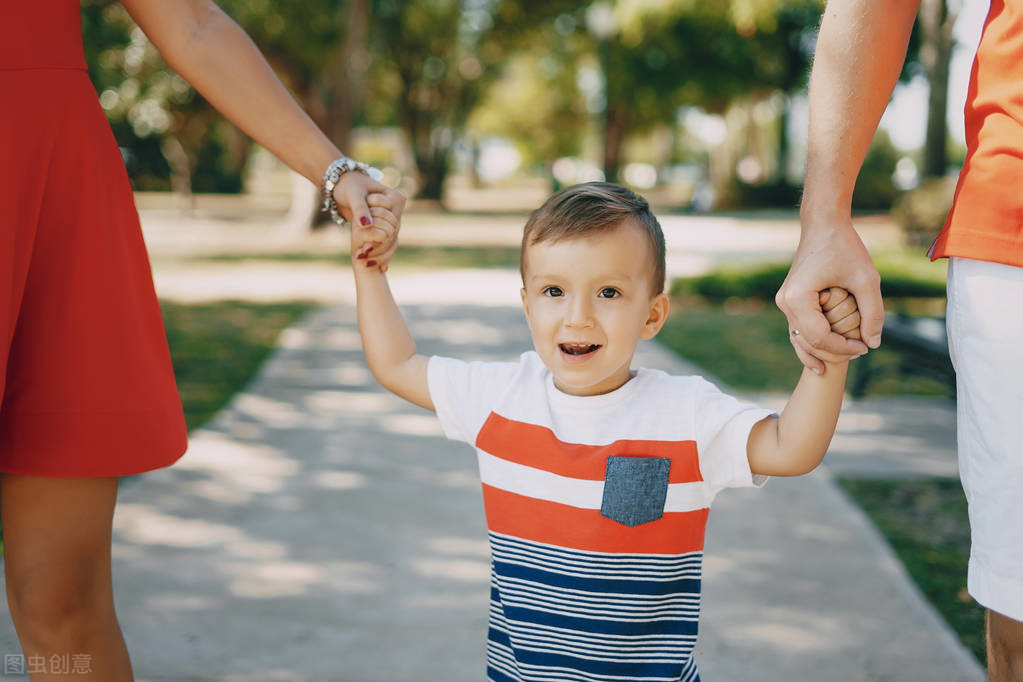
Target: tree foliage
[448,54]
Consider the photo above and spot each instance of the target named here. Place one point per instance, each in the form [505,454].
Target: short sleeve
[464,393]
[723,425]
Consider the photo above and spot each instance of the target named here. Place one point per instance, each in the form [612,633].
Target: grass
[745,344]
[927,525]
[217,348]
[904,275]
[414,256]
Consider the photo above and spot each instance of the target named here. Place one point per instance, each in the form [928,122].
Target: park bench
[924,347]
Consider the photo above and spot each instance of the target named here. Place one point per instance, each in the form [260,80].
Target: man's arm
[386,341]
[860,52]
[210,51]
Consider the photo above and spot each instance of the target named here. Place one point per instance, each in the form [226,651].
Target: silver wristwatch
[333,175]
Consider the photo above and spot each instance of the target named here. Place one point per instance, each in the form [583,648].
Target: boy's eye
[553,291]
[609,292]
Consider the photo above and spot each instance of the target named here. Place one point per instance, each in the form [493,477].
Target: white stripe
[589,554]
[527,559]
[577,492]
[624,648]
[626,572]
[576,653]
[611,639]
[641,618]
[602,598]
[544,673]
[623,575]
[675,653]
[526,598]
[523,480]
[612,561]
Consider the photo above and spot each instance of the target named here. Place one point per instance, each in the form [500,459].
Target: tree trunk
[433,171]
[616,127]
[784,144]
[936,21]
[348,81]
[181,169]
[429,150]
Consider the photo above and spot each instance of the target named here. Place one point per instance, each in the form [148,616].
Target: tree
[449,53]
[150,107]
[936,22]
[537,103]
[672,53]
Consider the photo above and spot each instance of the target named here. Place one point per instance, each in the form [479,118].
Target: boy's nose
[579,314]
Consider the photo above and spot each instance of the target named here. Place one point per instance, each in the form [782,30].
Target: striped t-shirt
[596,508]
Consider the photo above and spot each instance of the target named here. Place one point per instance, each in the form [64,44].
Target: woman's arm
[210,51]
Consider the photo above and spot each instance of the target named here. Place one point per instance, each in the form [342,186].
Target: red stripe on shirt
[537,446]
[551,523]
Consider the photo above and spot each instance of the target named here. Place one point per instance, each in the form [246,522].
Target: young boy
[597,479]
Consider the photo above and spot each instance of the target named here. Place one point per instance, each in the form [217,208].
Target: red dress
[86,385]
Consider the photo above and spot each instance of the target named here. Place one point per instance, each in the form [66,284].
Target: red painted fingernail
[370,263]
[366,220]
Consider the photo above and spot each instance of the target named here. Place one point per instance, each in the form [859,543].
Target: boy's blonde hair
[590,208]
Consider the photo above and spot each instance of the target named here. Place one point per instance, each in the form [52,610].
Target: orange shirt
[986,221]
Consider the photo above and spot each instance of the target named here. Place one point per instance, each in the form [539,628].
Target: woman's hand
[375,243]
[374,211]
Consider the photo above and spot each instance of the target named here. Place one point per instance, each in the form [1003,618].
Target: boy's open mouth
[578,348]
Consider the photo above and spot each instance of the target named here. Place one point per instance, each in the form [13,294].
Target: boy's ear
[659,308]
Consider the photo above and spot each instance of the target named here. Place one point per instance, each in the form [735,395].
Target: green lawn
[746,345]
[217,347]
[413,256]
[926,524]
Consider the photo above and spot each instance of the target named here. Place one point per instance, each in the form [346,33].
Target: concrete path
[322,530]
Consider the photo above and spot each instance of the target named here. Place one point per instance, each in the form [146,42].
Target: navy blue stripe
[498,637]
[639,586]
[498,676]
[520,617]
[609,668]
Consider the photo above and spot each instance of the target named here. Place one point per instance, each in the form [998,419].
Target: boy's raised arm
[386,341]
[796,442]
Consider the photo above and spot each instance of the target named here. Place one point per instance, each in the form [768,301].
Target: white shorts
[985,337]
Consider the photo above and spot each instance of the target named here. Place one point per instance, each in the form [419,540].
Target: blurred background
[702,106]
[477,110]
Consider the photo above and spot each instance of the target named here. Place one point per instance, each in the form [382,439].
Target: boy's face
[588,301]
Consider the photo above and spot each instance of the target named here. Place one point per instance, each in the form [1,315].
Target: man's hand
[830,257]
[374,244]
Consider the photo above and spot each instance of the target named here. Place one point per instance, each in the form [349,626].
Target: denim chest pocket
[635,489]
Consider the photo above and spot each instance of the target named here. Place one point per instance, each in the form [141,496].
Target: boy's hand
[373,245]
[841,312]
